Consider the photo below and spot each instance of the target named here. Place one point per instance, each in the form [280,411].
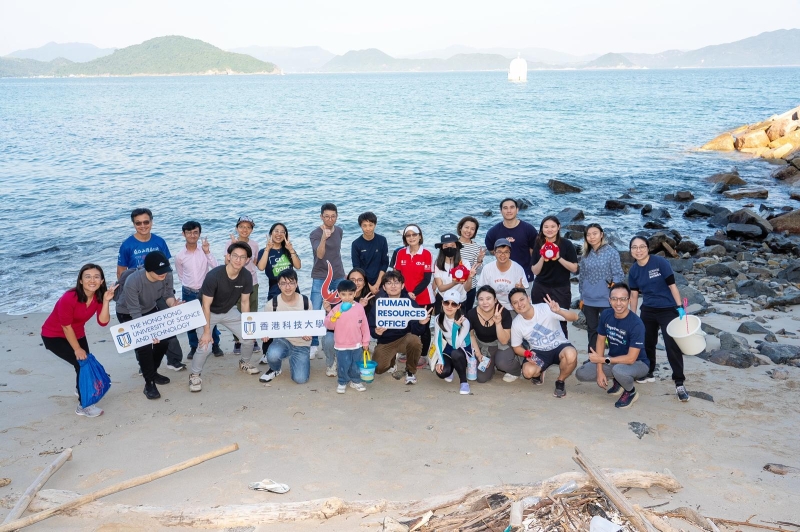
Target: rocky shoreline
[751,258]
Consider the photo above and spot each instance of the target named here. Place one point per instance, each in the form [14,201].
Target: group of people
[505,315]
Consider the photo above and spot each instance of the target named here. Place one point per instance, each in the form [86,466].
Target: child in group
[451,341]
[350,336]
[244,227]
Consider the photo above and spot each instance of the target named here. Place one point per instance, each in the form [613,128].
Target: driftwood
[693,516]
[617,498]
[33,489]
[656,521]
[89,497]
[780,469]
[253,514]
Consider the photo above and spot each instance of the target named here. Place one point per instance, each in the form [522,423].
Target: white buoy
[518,70]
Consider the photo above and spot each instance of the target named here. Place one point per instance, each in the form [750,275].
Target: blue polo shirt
[132,252]
[650,281]
[622,334]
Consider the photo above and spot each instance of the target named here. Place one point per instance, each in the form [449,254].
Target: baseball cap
[156,262]
[449,238]
[452,295]
[245,219]
[501,242]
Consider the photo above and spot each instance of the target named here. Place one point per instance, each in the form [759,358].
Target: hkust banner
[283,324]
[161,325]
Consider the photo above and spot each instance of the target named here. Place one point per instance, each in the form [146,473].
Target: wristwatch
[608,361]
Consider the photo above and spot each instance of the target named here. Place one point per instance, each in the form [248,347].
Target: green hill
[160,56]
[169,55]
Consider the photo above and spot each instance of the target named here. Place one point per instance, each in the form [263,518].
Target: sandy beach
[395,442]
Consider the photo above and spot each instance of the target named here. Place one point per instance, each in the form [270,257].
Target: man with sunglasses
[626,360]
[223,287]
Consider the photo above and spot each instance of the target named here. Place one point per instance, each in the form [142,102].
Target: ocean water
[76,155]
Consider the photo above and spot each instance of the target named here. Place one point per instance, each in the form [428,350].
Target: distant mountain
[302,59]
[536,55]
[374,60]
[771,48]
[610,61]
[160,56]
[77,52]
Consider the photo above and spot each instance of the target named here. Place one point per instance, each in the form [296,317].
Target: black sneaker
[682,394]
[626,399]
[160,379]
[176,367]
[217,352]
[150,391]
[538,381]
[192,351]
[559,391]
[616,388]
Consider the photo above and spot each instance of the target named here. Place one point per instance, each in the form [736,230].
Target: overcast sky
[398,28]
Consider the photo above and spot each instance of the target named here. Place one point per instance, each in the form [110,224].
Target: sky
[398,28]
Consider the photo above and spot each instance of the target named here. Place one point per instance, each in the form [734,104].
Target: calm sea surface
[77,155]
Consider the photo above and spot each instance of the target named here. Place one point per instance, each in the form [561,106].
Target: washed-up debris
[701,395]
[780,469]
[640,429]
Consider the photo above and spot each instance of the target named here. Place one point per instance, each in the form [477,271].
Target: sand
[394,441]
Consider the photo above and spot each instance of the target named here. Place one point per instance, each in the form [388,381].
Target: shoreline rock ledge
[775,138]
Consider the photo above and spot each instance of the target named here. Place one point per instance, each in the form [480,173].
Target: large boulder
[698,210]
[786,173]
[684,195]
[745,231]
[752,288]
[570,215]
[779,353]
[656,242]
[789,298]
[733,343]
[751,139]
[787,222]
[719,188]
[781,244]
[791,273]
[681,265]
[741,360]
[722,270]
[559,187]
[687,246]
[746,216]
[752,327]
[728,178]
[616,205]
[747,192]
[693,296]
[723,142]
[715,250]
[780,152]
[781,128]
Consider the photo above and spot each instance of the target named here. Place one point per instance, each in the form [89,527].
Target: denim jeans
[187,295]
[328,349]
[316,297]
[299,363]
[347,365]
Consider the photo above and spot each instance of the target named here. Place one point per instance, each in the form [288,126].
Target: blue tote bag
[93,382]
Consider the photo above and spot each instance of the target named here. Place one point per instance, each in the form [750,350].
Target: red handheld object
[549,251]
[460,273]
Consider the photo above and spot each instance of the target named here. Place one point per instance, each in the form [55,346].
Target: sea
[76,155]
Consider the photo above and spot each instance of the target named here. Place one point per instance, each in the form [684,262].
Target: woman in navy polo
[653,278]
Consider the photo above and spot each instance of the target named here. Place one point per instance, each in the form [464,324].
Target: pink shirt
[193,266]
[68,311]
[251,264]
[350,330]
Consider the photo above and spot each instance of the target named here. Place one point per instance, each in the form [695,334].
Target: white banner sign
[161,325]
[283,324]
[395,312]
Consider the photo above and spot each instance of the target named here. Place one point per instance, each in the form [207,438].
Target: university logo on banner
[158,325]
[283,324]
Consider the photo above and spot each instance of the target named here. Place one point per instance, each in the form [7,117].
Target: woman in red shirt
[416,265]
[63,330]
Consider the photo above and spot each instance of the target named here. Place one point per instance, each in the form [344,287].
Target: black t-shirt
[484,333]
[226,291]
[553,273]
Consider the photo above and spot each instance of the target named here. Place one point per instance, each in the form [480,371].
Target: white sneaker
[269,375]
[449,378]
[312,352]
[357,386]
[195,383]
[330,371]
[508,377]
[391,370]
[89,411]
[247,368]
[341,388]
[263,360]
[411,379]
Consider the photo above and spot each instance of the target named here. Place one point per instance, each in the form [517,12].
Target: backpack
[274,300]
[121,281]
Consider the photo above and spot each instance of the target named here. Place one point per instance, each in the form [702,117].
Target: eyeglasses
[450,304]
[238,257]
[358,281]
[330,217]
[502,252]
[192,233]
[618,299]
[287,283]
[145,222]
[637,248]
[410,235]
[92,277]
[278,232]
[392,283]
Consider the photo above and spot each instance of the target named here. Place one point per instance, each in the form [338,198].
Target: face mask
[449,252]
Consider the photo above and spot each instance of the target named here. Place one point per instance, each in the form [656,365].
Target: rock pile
[775,138]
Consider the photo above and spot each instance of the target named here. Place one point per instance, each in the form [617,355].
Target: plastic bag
[93,381]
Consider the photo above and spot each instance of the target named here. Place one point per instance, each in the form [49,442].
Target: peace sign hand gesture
[498,313]
[554,306]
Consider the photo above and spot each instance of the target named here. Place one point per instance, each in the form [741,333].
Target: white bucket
[692,342]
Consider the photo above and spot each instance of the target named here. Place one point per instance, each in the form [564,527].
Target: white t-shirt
[446,278]
[503,282]
[542,332]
